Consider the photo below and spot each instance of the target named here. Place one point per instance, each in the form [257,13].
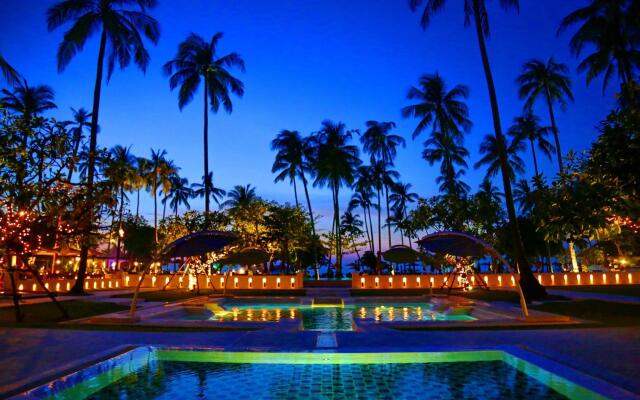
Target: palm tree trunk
[379,255]
[164,209]
[155,210]
[366,225]
[535,160]
[138,203]
[206,148]
[295,192]
[313,226]
[530,285]
[119,227]
[338,235]
[386,194]
[78,287]
[554,128]
[373,245]
[574,259]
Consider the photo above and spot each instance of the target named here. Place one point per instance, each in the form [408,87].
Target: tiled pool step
[326,340]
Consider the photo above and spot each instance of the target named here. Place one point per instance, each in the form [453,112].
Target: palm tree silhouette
[81,121]
[140,179]
[444,148]
[28,101]
[335,162]
[444,110]
[122,24]
[158,176]
[382,145]
[527,127]
[8,72]
[200,189]
[289,158]
[363,197]
[180,193]
[550,81]
[476,11]
[611,28]
[400,197]
[240,196]
[523,195]
[491,158]
[198,60]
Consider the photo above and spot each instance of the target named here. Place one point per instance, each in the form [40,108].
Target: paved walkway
[596,296]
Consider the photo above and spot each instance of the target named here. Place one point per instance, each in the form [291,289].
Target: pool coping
[599,386]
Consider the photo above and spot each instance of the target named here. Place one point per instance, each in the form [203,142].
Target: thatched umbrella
[246,256]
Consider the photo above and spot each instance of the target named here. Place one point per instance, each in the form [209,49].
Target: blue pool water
[319,318]
[148,373]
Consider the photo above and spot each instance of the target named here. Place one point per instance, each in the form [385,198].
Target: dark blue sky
[307,60]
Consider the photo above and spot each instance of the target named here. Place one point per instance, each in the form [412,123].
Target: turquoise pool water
[148,373]
[319,318]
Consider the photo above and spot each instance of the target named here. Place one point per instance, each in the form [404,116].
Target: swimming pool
[157,373]
[333,318]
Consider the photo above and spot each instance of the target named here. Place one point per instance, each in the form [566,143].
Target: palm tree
[527,127]
[382,145]
[199,189]
[335,162]
[81,121]
[158,176]
[198,60]
[28,101]
[401,196]
[140,179]
[491,157]
[445,111]
[240,196]
[351,227]
[611,28]
[363,197]
[121,30]
[120,172]
[8,72]
[289,158]
[523,195]
[476,11]
[180,193]
[442,147]
[550,81]
[490,192]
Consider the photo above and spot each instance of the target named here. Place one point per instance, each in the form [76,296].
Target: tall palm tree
[289,158]
[158,177]
[492,193]
[335,162]
[122,24]
[523,195]
[8,72]
[28,101]
[401,197]
[381,145]
[476,11]
[140,179]
[240,196]
[550,81]
[362,197]
[215,193]
[81,121]
[351,227]
[180,193]
[444,110]
[491,158]
[611,28]
[527,127]
[442,147]
[120,172]
[197,60]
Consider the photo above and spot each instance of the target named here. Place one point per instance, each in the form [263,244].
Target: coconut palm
[158,177]
[180,193]
[28,101]
[81,121]
[400,197]
[551,82]
[240,196]
[490,192]
[289,158]
[121,24]
[475,11]
[444,110]
[381,145]
[351,228]
[451,183]
[610,27]
[8,72]
[199,189]
[198,60]
[523,195]
[120,171]
[334,164]
[491,158]
[140,179]
[362,197]
[527,127]
[441,147]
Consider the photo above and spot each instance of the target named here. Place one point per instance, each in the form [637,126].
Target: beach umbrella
[456,244]
[401,254]
[199,243]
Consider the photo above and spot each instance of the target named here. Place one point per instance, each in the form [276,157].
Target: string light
[625,222]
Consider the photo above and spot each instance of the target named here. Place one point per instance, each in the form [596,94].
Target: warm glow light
[362,282]
[404,281]
[235,282]
[499,280]
[250,282]
[377,281]
[21,287]
[390,282]
[418,281]
[293,282]
[591,279]
[629,278]
[604,278]
[566,279]
[264,282]
[617,278]
[278,283]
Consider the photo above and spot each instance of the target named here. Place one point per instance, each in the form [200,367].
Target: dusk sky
[307,60]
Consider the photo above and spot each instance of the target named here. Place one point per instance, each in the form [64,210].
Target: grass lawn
[607,312]
[47,313]
[625,290]
[175,295]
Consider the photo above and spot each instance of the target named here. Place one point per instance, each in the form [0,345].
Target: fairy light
[625,222]
[16,230]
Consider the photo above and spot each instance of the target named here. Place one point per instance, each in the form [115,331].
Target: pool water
[173,374]
[322,318]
